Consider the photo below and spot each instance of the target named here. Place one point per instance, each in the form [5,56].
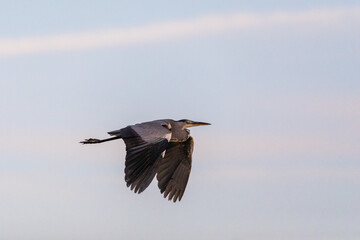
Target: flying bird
[162,148]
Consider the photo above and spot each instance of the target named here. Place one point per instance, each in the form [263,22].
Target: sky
[279,81]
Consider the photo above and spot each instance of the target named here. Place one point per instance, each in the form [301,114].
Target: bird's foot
[90,141]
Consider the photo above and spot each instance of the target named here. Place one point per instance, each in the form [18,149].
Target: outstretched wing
[174,169]
[145,143]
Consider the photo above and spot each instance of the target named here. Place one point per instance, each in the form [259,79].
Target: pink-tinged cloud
[262,174]
[164,31]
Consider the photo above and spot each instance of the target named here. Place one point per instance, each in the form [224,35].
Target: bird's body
[163,147]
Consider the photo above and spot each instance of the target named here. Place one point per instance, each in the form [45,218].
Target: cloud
[52,183]
[265,174]
[56,145]
[338,113]
[247,145]
[156,32]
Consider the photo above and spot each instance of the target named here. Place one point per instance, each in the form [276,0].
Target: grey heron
[162,148]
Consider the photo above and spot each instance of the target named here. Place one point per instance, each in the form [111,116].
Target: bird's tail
[114,133]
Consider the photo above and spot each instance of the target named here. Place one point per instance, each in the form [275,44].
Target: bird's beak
[194,124]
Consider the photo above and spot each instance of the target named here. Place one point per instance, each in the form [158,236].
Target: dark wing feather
[144,150]
[174,169]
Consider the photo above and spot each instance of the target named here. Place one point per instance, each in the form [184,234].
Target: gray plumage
[163,147]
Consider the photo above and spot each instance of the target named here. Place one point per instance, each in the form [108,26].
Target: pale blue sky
[19,18]
[280,86]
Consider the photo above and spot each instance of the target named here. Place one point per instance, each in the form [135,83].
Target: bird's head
[189,123]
